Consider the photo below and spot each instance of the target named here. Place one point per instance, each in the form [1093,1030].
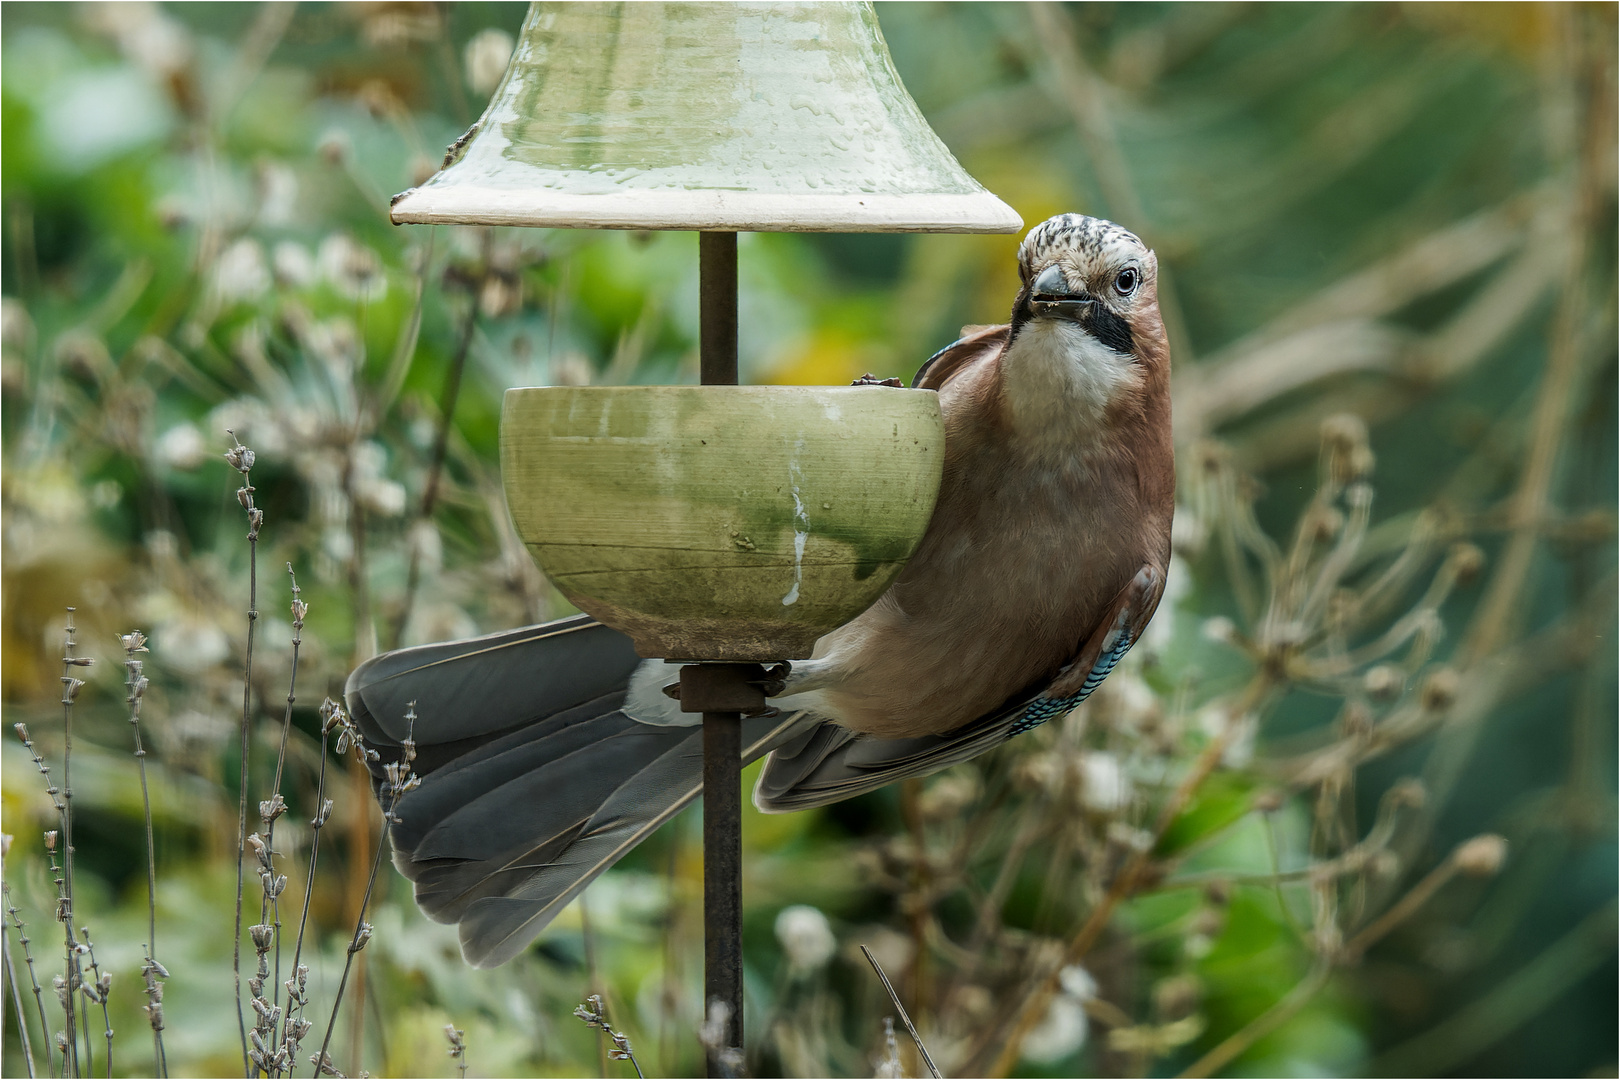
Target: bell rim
[707,210]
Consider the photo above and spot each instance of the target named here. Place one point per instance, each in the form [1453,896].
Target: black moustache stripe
[1110,329]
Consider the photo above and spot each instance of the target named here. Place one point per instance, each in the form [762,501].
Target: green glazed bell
[766,117]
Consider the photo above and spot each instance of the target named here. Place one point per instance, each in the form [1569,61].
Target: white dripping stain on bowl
[801,523]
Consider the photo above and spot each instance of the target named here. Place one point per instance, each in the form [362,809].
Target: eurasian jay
[548,752]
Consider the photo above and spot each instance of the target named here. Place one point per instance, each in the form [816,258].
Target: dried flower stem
[96,990]
[135,684]
[296,1026]
[594,1014]
[241,459]
[1262,1025]
[276,805]
[458,1047]
[911,1029]
[400,780]
[11,976]
[151,972]
[70,692]
[11,908]
[67,1040]
[1404,908]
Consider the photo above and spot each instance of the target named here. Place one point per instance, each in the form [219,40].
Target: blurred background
[1366,760]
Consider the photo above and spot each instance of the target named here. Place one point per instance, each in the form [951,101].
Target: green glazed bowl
[721,522]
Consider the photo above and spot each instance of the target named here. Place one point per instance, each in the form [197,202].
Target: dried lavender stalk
[151,972]
[275,806]
[96,990]
[135,684]
[241,458]
[594,1013]
[67,1040]
[400,779]
[297,1027]
[71,685]
[11,908]
[11,972]
[458,1047]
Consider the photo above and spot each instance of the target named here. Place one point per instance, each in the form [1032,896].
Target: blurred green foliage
[1406,213]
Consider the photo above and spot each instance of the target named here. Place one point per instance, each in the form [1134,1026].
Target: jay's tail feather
[533,781]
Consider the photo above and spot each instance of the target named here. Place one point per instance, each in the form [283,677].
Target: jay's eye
[1125,283]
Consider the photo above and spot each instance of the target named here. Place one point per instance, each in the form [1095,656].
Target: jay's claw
[872,380]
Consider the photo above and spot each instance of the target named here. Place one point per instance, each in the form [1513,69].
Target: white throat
[1059,382]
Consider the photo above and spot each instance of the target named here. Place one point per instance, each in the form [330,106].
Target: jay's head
[1090,272]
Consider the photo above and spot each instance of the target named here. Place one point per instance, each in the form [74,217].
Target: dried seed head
[1469,561]
[1384,682]
[1344,431]
[1384,865]
[360,939]
[50,840]
[1221,629]
[1440,689]
[1343,606]
[70,689]
[272,808]
[239,456]
[22,732]
[134,642]
[1356,720]
[1482,856]
[1324,524]
[1408,791]
[1177,996]
[263,936]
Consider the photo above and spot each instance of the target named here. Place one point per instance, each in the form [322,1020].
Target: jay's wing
[975,342]
[827,763]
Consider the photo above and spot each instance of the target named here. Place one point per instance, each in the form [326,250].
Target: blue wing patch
[1043,709]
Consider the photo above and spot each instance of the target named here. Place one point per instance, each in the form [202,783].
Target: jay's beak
[1050,296]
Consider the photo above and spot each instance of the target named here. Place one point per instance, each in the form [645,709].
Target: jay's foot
[872,380]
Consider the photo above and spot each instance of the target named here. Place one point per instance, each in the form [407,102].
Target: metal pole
[722,731]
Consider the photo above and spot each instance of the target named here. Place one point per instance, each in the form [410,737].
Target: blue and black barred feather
[1043,709]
